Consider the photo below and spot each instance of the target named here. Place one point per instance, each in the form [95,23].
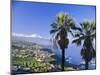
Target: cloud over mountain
[27,35]
[34,38]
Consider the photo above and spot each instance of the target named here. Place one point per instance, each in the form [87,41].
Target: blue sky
[32,17]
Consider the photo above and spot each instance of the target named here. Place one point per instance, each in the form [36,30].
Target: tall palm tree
[85,36]
[60,28]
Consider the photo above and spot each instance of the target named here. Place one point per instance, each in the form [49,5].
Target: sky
[36,18]
[33,19]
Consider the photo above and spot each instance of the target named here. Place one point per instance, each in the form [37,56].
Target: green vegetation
[87,34]
[32,63]
[63,25]
[31,56]
[60,29]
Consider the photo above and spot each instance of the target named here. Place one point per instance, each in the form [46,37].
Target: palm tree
[85,36]
[60,28]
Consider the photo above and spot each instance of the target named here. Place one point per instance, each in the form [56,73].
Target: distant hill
[36,40]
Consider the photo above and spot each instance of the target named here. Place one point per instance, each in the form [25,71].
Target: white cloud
[26,35]
[18,34]
[34,35]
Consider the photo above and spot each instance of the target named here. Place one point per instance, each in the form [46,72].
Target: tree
[60,29]
[85,36]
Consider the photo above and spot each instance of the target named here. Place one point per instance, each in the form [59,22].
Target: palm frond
[87,26]
[57,36]
[54,25]
[54,41]
[60,19]
[71,32]
[76,28]
[77,41]
[53,31]
[93,35]
[77,35]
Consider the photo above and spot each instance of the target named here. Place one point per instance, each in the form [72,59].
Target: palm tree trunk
[86,65]
[63,59]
